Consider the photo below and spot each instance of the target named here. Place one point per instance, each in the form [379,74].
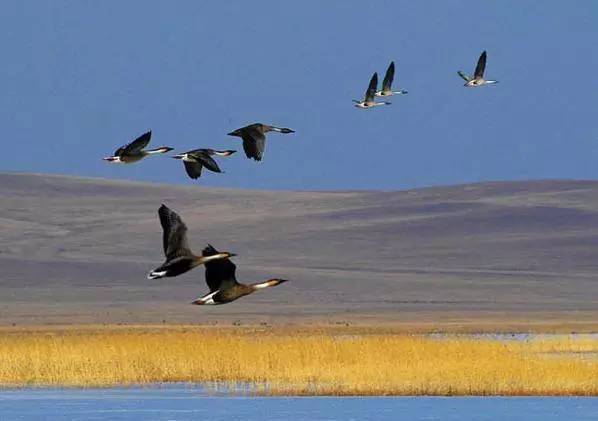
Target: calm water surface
[193,403]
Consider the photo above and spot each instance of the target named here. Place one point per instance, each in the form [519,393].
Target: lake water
[193,403]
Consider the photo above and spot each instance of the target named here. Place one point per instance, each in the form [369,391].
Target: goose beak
[224,153]
[109,158]
[178,157]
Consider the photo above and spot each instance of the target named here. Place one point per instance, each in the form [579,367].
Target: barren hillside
[76,250]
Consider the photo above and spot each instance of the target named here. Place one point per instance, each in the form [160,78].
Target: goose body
[195,160]
[179,258]
[478,74]
[223,284]
[387,83]
[135,151]
[370,93]
[254,138]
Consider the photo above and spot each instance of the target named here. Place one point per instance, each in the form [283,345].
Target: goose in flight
[387,83]
[478,74]
[134,152]
[196,159]
[368,101]
[179,258]
[254,138]
[221,279]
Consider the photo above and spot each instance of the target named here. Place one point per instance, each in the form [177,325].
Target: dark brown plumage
[179,258]
[254,138]
[478,74]
[370,94]
[134,152]
[223,284]
[387,83]
[196,159]
[480,67]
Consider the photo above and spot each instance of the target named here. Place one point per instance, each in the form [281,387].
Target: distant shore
[402,323]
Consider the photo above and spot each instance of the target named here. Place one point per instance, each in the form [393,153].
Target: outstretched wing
[463,76]
[174,237]
[135,146]
[220,274]
[254,143]
[390,74]
[193,169]
[371,92]
[481,66]
[207,161]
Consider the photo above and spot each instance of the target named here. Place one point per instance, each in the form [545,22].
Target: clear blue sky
[80,78]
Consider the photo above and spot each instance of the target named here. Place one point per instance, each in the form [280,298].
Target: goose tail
[206,299]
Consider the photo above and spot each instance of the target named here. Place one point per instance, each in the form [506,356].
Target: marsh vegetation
[302,361]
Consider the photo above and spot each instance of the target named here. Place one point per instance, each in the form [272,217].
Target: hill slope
[76,250]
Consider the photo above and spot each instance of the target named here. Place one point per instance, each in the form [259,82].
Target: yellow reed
[303,362]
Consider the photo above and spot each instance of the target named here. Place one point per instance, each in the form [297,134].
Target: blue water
[192,403]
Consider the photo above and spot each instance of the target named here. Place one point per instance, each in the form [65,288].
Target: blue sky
[81,78]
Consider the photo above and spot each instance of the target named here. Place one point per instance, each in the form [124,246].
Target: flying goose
[179,259]
[387,83]
[221,279]
[196,159]
[134,152]
[254,138]
[368,101]
[478,75]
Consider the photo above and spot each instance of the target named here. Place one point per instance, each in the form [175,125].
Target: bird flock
[219,269]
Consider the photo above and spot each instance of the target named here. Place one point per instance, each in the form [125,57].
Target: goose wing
[371,91]
[193,169]
[481,66]
[388,77]
[463,76]
[174,237]
[254,143]
[220,274]
[203,157]
[135,146]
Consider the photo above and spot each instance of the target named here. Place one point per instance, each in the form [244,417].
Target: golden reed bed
[284,361]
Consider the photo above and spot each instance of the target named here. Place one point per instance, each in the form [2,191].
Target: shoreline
[219,393]
[468,326]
